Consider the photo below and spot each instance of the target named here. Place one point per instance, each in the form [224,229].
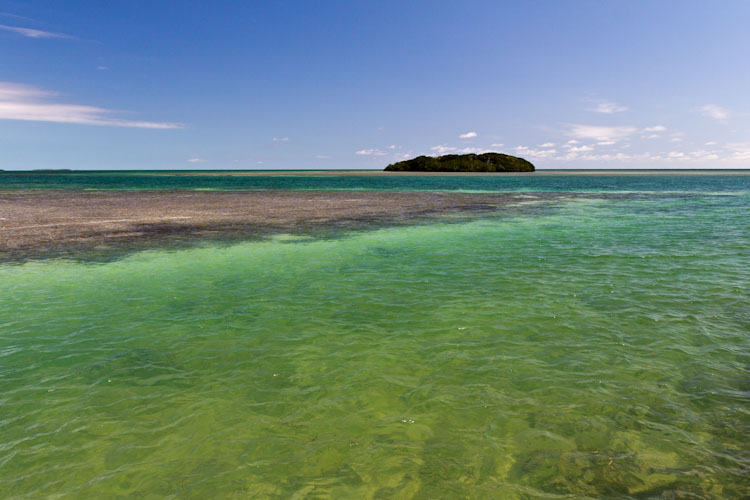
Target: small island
[485,162]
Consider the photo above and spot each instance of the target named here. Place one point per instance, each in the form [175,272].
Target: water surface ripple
[599,349]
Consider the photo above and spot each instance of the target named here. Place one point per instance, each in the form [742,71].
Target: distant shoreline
[313,173]
[538,173]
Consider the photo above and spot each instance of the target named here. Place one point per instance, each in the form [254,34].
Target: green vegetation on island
[485,162]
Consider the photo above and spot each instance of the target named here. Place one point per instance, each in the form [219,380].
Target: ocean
[591,347]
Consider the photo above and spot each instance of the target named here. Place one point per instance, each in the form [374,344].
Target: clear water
[726,182]
[595,349]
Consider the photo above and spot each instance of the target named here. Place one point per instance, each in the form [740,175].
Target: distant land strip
[382,173]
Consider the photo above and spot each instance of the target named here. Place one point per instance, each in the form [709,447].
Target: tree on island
[485,162]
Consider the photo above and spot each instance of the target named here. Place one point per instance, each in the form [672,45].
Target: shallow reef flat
[51,221]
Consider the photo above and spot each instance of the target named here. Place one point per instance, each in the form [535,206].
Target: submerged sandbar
[47,222]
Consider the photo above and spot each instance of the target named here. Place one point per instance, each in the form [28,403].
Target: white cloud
[322,157]
[474,150]
[402,156]
[196,160]
[280,139]
[597,157]
[655,128]
[32,33]
[102,68]
[467,135]
[605,143]
[537,154]
[600,133]
[608,108]
[740,151]
[573,141]
[24,102]
[676,136]
[704,155]
[392,146]
[547,145]
[445,149]
[711,143]
[497,145]
[16,16]
[370,152]
[714,111]
[442,149]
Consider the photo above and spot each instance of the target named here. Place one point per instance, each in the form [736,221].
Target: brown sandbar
[48,222]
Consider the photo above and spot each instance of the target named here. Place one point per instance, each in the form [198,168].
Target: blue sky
[350,85]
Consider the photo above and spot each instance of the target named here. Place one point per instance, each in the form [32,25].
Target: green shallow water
[598,349]
[727,182]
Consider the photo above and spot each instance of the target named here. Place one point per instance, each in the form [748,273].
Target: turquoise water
[596,348]
[544,183]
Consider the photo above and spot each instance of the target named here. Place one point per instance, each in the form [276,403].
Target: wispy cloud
[547,145]
[15,16]
[731,154]
[649,133]
[402,156]
[370,152]
[32,33]
[600,133]
[676,136]
[739,151]
[28,103]
[535,154]
[608,108]
[475,150]
[442,149]
[196,160]
[281,139]
[467,135]
[714,111]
